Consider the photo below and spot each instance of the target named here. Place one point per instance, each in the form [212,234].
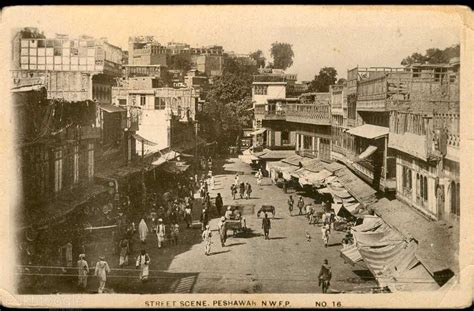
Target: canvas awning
[276,154]
[293,160]
[144,140]
[168,156]
[174,167]
[438,245]
[357,187]
[258,132]
[111,108]
[367,152]
[369,131]
[351,254]
[377,238]
[368,224]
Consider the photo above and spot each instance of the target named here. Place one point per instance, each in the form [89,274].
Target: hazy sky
[321,36]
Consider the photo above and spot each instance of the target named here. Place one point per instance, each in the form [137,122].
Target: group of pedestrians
[243,188]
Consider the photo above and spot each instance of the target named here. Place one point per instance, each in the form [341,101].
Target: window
[58,170]
[455,199]
[407,182]
[122,102]
[90,164]
[159,103]
[285,137]
[76,164]
[425,188]
[260,90]
[142,100]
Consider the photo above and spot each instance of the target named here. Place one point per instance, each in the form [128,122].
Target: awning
[438,244]
[369,131]
[276,154]
[144,140]
[367,152]
[351,254]
[293,160]
[357,187]
[174,167]
[111,108]
[368,224]
[165,157]
[377,238]
[318,178]
[258,132]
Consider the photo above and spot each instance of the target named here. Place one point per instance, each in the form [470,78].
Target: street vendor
[228,213]
[222,230]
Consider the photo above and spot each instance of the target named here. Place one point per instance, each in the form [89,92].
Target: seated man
[228,213]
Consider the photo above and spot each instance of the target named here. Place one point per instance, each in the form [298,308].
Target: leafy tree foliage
[180,62]
[31,33]
[282,54]
[433,56]
[227,108]
[259,58]
[322,81]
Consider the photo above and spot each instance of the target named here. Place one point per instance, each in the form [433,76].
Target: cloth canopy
[144,140]
[367,153]
[111,108]
[351,254]
[258,132]
[170,155]
[368,224]
[369,131]
[173,167]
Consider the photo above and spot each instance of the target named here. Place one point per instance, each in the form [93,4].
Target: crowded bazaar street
[288,262]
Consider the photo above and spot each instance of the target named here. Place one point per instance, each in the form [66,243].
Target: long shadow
[278,238]
[335,244]
[249,234]
[235,244]
[217,253]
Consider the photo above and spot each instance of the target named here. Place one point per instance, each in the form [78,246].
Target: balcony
[268,112]
[309,113]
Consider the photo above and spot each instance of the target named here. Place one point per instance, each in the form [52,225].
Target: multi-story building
[424,135]
[146,51]
[72,69]
[156,108]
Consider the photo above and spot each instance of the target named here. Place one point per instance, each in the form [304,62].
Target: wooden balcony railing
[309,113]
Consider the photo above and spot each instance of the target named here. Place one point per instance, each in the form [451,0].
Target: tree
[180,62]
[259,58]
[322,81]
[341,81]
[228,104]
[432,56]
[31,33]
[282,55]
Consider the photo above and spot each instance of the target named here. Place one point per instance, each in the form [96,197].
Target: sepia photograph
[236,156]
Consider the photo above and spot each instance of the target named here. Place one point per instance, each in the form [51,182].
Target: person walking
[124,251]
[325,235]
[248,190]
[175,234]
[233,189]
[213,182]
[325,276]
[300,205]
[219,204]
[207,238]
[290,204]
[101,270]
[236,180]
[160,232]
[259,177]
[188,215]
[204,219]
[222,230]
[82,271]
[143,262]
[242,190]
[266,226]
[142,230]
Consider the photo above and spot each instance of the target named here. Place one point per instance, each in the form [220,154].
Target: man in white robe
[143,262]
[142,230]
[101,270]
